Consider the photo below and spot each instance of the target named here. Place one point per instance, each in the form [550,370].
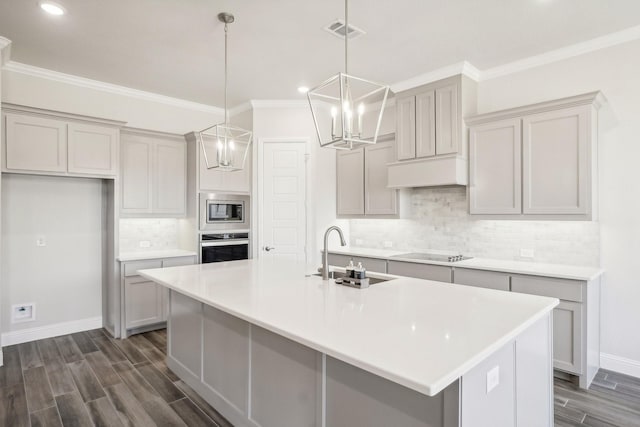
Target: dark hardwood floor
[88,379]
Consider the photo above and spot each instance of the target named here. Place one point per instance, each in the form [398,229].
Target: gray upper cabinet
[555,161]
[41,142]
[361,181]
[536,162]
[495,185]
[431,138]
[153,172]
[92,149]
[350,182]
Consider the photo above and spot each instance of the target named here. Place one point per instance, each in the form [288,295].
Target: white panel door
[36,144]
[92,149]
[555,162]
[379,200]
[495,176]
[447,124]
[169,177]
[350,182]
[283,210]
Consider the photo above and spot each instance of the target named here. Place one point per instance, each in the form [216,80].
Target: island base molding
[257,378]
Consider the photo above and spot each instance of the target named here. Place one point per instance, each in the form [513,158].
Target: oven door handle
[224,243]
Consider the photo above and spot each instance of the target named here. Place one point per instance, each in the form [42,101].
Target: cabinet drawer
[439,273]
[569,290]
[481,278]
[177,261]
[131,268]
[370,264]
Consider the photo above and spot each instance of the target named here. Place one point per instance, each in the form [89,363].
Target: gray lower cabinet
[146,304]
[438,273]
[370,264]
[482,279]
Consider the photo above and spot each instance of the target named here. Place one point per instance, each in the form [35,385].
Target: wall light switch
[41,241]
[23,312]
[387,244]
[145,244]
[359,242]
[493,378]
[527,253]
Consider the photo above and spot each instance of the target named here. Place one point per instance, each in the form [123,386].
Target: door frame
[257,239]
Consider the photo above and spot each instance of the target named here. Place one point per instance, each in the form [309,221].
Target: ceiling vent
[338,29]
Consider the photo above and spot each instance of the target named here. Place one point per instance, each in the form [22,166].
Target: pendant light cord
[226,32]
[346,36]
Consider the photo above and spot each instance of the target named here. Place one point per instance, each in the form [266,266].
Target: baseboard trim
[620,364]
[50,331]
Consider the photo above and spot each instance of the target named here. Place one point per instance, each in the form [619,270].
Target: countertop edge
[176,253]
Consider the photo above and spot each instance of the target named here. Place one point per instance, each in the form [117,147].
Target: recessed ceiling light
[303,89]
[52,8]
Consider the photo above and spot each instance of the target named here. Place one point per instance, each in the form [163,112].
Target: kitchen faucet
[325,253]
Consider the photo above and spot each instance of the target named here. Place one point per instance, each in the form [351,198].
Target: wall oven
[220,247]
[224,212]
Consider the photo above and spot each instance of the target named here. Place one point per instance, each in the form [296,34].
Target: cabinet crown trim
[152,133]
[596,99]
[23,109]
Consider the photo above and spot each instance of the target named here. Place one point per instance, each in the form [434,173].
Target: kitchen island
[267,344]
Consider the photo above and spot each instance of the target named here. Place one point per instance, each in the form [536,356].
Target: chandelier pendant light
[225,147]
[338,105]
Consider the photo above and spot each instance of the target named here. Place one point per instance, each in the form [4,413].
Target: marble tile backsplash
[161,233]
[439,221]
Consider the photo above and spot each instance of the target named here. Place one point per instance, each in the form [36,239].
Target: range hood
[428,172]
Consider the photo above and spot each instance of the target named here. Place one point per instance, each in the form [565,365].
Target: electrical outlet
[359,242]
[387,244]
[145,244]
[493,378]
[527,253]
[23,312]
[41,241]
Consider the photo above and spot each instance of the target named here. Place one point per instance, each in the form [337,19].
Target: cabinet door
[136,176]
[406,127]
[426,124]
[144,302]
[447,120]
[567,330]
[169,177]
[92,149]
[350,182]
[239,181]
[379,200]
[556,162]
[495,168]
[35,144]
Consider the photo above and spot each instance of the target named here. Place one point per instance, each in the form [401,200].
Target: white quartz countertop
[421,334]
[560,271]
[168,253]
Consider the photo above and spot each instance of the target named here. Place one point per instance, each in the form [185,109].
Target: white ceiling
[175,47]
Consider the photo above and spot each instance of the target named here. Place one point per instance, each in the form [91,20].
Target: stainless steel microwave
[224,211]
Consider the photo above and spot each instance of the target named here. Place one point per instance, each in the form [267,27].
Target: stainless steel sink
[337,275]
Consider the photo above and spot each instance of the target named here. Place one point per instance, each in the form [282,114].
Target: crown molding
[279,103]
[5,50]
[609,40]
[17,108]
[464,67]
[151,133]
[245,106]
[597,99]
[56,76]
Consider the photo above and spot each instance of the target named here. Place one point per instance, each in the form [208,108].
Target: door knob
[268,248]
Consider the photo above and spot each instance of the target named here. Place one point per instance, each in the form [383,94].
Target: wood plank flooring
[89,379]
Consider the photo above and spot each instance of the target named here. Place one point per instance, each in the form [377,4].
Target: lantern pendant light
[225,147]
[338,105]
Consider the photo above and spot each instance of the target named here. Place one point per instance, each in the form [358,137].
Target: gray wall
[64,278]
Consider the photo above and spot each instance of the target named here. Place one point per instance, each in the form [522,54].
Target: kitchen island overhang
[415,334]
